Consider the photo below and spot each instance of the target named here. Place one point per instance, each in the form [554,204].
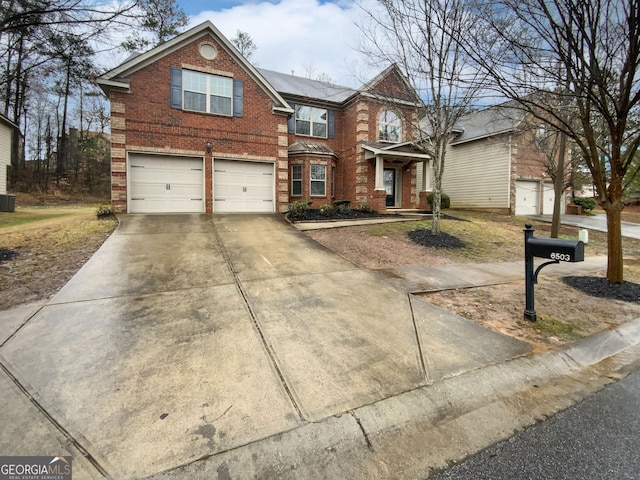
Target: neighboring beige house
[7,127]
[492,165]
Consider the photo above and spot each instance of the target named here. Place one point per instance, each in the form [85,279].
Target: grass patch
[492,237]
[566,331]
[30,215]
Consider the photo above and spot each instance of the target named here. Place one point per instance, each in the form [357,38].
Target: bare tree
[245,44]
[159,20]
[592,49]
[425,40]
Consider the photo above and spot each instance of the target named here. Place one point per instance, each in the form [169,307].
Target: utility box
[7,203]
[555,249]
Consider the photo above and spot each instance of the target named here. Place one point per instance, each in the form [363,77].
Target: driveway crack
[256,323]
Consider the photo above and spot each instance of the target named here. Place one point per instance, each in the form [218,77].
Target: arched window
[390,127]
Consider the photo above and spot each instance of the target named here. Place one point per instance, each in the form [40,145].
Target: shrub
[344,208]
[366,208]
[339,203]
[587,203]
[445,201]
[104,211]
[298,209]
[327,210]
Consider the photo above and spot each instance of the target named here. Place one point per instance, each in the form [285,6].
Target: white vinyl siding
[476,175]
[5,155]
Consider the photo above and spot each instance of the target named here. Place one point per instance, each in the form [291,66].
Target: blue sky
[307,37]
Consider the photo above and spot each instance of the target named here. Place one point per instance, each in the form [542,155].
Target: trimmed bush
[298,209]
[104,211]
[366,208]
[445,201]
[587,203]
[327,210]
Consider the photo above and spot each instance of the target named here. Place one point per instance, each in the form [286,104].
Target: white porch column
[379,173]
[426,178]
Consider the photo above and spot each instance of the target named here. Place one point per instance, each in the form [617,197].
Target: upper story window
[311,121]
[390,127]
[204,92]
[207,93]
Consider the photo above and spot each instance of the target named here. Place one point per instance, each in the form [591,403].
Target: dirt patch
[47,252]
[564,313]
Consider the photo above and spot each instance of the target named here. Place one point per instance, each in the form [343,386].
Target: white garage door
[240,186]
[165,184]
[548,196]
[527,198]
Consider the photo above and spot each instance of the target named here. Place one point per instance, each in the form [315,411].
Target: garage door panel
[242,186]
[527,198]
[165,184]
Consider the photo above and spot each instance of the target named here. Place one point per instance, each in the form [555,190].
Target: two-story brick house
[196,128]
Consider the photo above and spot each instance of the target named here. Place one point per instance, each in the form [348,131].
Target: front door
[390,186]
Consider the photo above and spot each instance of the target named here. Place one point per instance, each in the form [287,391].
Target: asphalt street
[594,439]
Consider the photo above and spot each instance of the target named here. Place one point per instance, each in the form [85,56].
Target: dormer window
[390,127]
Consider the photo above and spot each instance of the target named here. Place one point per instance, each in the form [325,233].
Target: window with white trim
[203,92]
[318,175]
[390,127]
[296,180]
[311,121]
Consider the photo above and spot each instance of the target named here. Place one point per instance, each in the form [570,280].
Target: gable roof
[371,87]
[495,120]
[8,122]
[118,78]
[307,88]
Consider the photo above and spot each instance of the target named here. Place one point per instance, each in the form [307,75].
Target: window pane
[319,130]
[318,172]
[319,115]
[221,105]
[303,127]
[390,127]
[221,86]
[317,188]
[194,81]
[195,101]
[303,112]
[296,180]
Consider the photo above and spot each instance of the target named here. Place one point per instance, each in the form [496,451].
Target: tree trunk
[558,186]
[615,273]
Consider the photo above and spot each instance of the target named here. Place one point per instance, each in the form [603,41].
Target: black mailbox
[552,248]
[555,249]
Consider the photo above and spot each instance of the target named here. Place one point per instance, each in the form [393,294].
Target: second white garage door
[240,186]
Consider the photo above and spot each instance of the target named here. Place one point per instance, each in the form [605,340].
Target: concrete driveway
[189,335]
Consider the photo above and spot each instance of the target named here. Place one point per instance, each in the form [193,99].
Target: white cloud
[293,35]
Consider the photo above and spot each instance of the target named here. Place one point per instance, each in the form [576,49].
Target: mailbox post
[552,248]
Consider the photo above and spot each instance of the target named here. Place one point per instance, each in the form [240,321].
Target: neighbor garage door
[240,186]
[165,184]
[527,198]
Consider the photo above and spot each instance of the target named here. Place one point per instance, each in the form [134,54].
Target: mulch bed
[442,240]
[6,254]
[601,288]
[314,215]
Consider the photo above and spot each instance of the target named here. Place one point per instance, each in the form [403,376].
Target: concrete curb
[426,429]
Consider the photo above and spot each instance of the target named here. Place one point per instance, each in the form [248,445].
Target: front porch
[397,168]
